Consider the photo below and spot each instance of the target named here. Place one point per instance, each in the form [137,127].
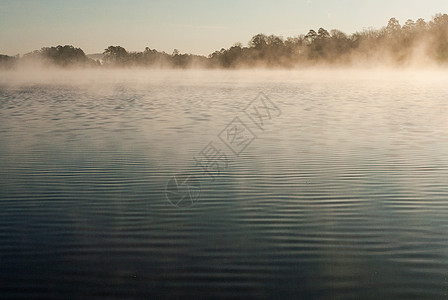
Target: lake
[224,184]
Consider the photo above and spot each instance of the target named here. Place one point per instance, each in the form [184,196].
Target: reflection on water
[344,195]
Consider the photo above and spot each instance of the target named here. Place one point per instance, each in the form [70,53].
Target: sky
[194,26]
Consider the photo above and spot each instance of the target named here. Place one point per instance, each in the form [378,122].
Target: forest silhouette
[415,42]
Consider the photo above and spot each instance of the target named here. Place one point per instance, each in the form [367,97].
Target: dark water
[342,195]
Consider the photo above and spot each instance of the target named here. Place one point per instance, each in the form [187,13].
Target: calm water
[342,195]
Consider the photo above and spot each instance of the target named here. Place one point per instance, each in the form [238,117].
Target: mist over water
[344,195]
[96,79]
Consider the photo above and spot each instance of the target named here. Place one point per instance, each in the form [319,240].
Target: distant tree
[259,41]
[393,26]
[440,20]
[337,34]
[409,26]
[274,41]
[61,56]
[420,24]
[311,36]
[438,28]
[115,55]
[7,62]
[323,34]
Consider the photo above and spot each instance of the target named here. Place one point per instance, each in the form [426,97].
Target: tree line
[396,44]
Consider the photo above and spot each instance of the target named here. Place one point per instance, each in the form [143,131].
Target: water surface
[344,195]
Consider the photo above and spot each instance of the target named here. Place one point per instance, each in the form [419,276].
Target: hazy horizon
[198,27]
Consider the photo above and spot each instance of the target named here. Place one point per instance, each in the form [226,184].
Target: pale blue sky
[196,26]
